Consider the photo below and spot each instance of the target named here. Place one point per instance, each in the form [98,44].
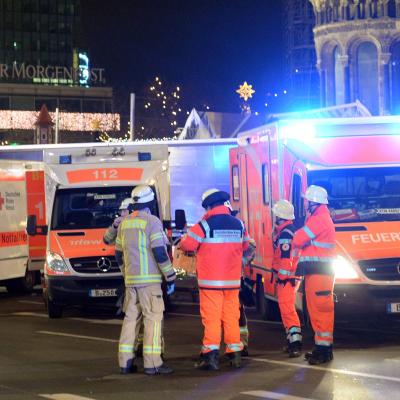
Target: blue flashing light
[84,67]
[144,156]
[303,132]
[64,159]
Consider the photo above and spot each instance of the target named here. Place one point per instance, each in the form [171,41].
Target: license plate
[393,308]
[102,292]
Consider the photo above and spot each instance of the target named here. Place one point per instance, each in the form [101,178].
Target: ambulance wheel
[53,310]
[22,285]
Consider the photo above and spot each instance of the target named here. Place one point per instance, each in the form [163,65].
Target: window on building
[26,6]
[22,104]
[4,103]
[396,78]
[51,104]
[92,106]
[108,106]
[70,105]
[8,5]
[53,6]
[367,76]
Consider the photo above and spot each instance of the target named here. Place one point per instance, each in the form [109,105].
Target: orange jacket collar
[280,228]
[216,211]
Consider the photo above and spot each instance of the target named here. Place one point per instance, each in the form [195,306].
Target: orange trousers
[286,300]
[319,292]
[220,308]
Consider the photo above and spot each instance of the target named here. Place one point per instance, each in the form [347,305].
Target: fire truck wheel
[22,285]
[53,310]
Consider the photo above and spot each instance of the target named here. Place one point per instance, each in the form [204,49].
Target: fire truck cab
[357,161]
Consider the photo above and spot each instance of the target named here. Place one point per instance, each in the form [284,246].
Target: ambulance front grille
[381,269]
[89,265]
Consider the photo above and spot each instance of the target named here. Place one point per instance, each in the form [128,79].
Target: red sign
[105,174]
[12,238]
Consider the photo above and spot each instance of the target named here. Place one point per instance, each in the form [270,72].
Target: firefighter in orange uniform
[284,266]
[220,240]
[316,239]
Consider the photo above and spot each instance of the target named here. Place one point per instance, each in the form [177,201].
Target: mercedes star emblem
[104,264]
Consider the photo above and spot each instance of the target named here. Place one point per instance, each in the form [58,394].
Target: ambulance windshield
[88,208]
[360,194]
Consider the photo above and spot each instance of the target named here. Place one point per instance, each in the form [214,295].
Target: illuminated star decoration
[96,124]
[245,91]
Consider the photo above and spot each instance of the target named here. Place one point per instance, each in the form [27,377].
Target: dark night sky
[207,47]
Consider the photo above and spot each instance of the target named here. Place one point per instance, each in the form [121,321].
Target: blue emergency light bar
[64,159]
[144,156]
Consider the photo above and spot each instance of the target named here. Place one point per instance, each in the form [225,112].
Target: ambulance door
[244,203]
[266,204]
[297,190]
[36,205]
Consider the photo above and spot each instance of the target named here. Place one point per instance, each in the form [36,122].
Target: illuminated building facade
[358,53]
[301,74]
[44,60]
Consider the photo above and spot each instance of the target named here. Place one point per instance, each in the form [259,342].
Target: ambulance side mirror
[180,219]
[31,225]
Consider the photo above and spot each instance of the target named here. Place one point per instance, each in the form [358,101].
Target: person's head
[142,197]
[315,196]
[283,211]
[125,207]
[213,198]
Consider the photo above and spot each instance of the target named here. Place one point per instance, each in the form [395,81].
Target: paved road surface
[76,358]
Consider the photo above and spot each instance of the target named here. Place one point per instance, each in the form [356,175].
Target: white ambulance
[84,186]
[20,260]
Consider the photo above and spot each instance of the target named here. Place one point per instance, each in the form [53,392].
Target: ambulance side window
[235,183]
[298,202]
[265,183]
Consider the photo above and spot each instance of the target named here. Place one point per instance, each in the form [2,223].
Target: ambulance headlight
[55,262]
[343,269]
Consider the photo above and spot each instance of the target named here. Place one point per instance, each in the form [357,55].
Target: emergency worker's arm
[250,252]
[158,243]
[286,266]
[119,251]
[307,233]
[246,239]
[193,238]
[110,235]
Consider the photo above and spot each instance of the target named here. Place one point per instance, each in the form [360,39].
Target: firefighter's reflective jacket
[142,240]
[220,240]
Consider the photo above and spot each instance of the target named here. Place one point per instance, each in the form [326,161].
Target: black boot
[210,362]
[235,359]
[295,349]
[245,351]
[317,357]
[161,370]
[129,370]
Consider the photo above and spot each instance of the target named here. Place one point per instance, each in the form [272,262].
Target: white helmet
[142,194]
[283,209]
[125,204]
[317,194]
[212,196]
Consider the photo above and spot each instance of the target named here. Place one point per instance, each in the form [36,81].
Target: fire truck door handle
[263,229]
